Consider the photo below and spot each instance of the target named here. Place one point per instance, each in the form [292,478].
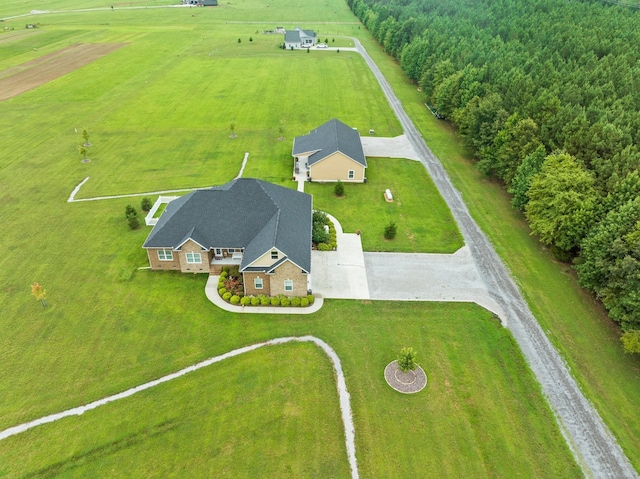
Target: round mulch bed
[409,382]
[86,160]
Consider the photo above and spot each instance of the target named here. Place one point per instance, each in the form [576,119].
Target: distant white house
[299,38]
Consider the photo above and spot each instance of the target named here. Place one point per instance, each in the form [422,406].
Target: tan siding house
[331,152]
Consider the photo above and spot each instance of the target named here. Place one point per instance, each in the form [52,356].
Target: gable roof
[244,213]
[329,138]
[296,36]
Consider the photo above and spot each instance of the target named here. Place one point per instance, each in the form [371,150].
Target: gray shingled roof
[329,138]
[292,36]
[244,213]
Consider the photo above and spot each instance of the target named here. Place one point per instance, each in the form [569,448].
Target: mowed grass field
[158,111]
[424,222]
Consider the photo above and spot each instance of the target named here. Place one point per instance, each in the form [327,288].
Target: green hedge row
[264,300]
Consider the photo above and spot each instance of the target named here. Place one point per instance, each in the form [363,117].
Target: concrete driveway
[427,277]
[340,274]
[397,147]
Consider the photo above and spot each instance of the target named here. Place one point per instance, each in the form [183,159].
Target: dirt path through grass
[595,448]
[341,386]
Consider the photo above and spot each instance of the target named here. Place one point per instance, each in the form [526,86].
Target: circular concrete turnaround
[405,382]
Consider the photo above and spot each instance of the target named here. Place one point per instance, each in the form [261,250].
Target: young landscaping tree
[338,50]
[338,190]
[307,49]
[146,204]
[232,129]
[130,211]
[83,151]
[407,359]
[390,230]
[85,136]
[39,293]
[250,39]
[326,40]
[239,40]
[133,221]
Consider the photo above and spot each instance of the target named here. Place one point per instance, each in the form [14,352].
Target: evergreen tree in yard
[338,190]
[390,231]
[146,204]
[407,359]
[130,211]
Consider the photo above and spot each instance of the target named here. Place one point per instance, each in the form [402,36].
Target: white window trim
[255,283]
[167,253]
[285,285]
[191,256]
[351,174]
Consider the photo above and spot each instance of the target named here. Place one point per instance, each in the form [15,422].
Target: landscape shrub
[338,190]
[255,301]
[235,299]
[146,204]
[220,284]
[234,284]
[310,298]
[285,301]
[295,302]
[304,302]
[390,230]
[130,211]
[246,300]
[221,291]
[224,274]
[275,301]
[226,296]
[265,300]
[318,233]
[324,247]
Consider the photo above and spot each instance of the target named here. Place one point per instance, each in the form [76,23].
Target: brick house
[262,228]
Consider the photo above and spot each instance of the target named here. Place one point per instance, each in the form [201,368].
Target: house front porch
[218,261]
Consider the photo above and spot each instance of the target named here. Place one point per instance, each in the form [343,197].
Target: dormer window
[274,255]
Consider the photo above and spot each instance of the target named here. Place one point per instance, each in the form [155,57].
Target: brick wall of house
[249,288]
[155,263]
[192,247]
[288,270]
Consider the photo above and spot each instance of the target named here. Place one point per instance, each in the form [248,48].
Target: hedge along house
[331,152]
[299,38]
[264,229]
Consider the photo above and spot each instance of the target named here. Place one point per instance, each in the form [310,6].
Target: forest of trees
[546,93]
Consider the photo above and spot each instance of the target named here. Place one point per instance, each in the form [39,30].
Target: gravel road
[593,445]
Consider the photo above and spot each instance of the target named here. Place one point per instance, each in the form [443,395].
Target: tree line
[546,93]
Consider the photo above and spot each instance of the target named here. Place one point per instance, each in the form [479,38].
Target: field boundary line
[341,386]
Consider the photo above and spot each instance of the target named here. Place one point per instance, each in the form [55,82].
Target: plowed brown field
[32,74]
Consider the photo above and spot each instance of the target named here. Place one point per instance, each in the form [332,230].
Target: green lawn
[481,415]
[424,222]
[158,111]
